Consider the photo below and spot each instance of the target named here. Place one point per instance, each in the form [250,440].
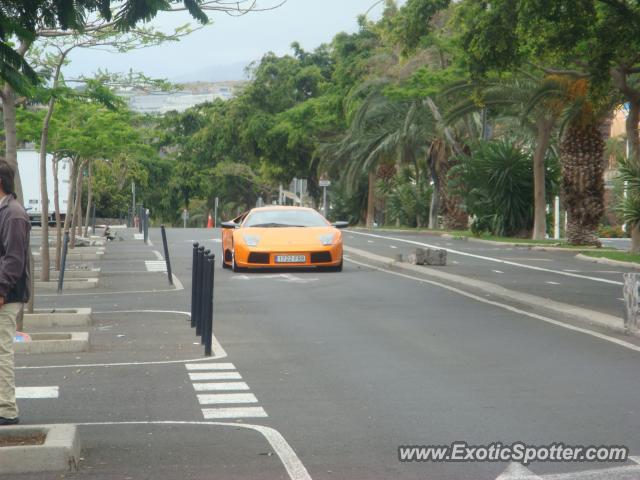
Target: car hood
[285,237]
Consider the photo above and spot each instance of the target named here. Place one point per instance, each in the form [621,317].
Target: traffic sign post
[324,183]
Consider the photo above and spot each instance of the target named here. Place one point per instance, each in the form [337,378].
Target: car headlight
[251,240]
[328,239]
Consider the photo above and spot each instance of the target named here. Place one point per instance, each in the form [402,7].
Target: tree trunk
[434,208]
[371,199]
[544,126]
[56,205]
[11,136]
[70,196]
[77,205]
[89,200]
[633,137]
[582,156]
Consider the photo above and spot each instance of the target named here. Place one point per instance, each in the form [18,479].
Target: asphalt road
[548,274]
[345,366]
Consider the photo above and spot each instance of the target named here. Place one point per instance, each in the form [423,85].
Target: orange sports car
[275,236]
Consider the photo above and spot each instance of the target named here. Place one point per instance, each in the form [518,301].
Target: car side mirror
[340,224]
[229,225]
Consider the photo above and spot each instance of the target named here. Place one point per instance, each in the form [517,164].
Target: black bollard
[194,283]
[63,261]
[166,253]
[206,303]
[208,336]
[146,226]
[203,291]
[140,210]
[199,289]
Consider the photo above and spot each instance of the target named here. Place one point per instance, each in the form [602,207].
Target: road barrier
[202,276]
[166,253]
[63,260]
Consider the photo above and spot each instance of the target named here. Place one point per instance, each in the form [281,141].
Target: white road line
[138,236]
[234,412]
[226,398]
[601,336]
[196,377]
[210,366]
[286,454]
[393,246]
[497,271]
[491,259]
[220,386]
[158,255]
[37,392]
[552,283]
[369,241]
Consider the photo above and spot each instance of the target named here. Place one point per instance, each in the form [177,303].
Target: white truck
[29,166]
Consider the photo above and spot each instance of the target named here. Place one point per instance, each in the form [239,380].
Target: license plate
[291,259]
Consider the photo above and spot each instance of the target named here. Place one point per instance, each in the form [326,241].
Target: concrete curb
[608,261]
[79,317]
[74,284]
[540,305]
[69,342]
[59,453]
[72,274]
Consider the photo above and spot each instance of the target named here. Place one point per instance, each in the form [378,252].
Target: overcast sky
[232,40]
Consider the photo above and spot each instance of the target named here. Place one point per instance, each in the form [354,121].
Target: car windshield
[285,218]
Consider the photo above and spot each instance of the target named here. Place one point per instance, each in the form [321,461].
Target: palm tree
[524,97]
[382,132]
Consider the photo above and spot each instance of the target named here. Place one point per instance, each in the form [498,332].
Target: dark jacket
[15,281]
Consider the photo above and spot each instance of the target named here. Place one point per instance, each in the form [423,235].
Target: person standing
[14,286]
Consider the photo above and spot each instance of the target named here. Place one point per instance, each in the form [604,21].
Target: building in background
[192,94]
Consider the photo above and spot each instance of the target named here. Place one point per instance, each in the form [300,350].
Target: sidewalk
[135,404]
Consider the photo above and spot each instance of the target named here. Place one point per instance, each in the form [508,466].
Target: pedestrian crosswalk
[37,392]
[220,395]
[155,265]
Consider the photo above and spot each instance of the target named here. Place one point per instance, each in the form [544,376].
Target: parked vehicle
[29,167]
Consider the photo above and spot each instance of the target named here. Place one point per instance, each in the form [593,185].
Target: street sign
[324,183]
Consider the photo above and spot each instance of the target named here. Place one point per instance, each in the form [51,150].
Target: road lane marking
[497,271]
[210,366]
[195,377]
[220,386]
[234,412]
[226,398]
[601,336]
[393,246]
[491,259]
[292,463]
[37,392]
[552,283]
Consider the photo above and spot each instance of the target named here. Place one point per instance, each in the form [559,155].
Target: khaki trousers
[8,315]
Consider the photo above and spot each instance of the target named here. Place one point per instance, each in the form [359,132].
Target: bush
[406,201]
[496,184]
[611,231]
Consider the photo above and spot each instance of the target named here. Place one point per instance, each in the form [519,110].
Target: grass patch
[617,255]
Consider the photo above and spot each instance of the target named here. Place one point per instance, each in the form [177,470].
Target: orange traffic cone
[210,222]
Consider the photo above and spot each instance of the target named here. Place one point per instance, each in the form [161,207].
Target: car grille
[320,257]
[257,257]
